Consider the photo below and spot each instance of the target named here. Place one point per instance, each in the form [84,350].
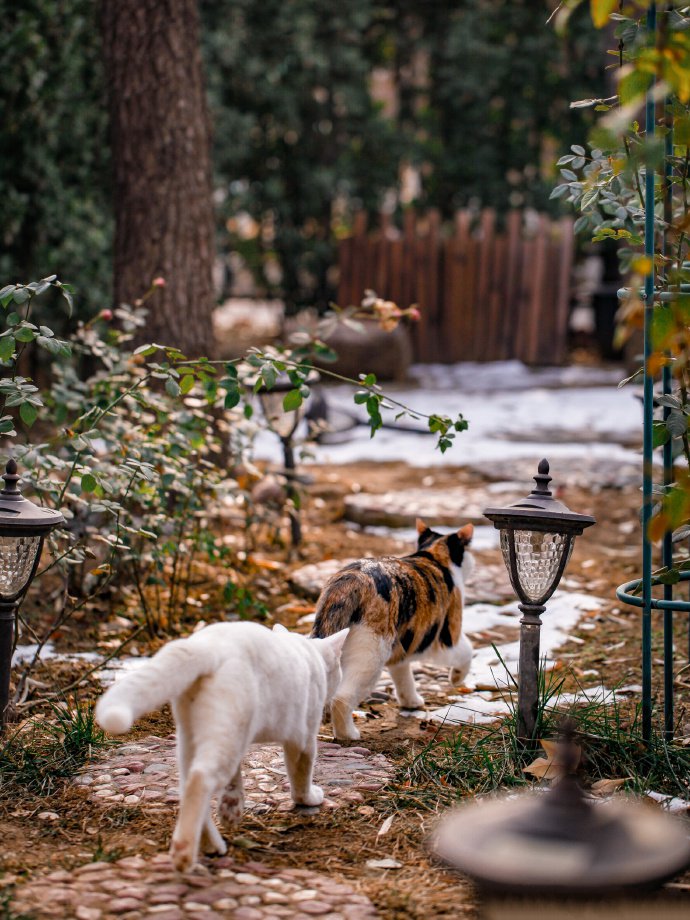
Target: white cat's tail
[165,677]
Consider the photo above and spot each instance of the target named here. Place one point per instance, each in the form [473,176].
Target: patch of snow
[25,653]
[562,615]
[485,537]
[523,417]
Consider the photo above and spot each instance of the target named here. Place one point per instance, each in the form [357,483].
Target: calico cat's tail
[165,677]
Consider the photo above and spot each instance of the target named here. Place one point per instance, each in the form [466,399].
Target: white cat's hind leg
[362,660]
[405,687]
[193,817]
[300,766]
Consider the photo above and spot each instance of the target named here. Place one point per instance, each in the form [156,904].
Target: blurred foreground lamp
[283,422]
[558,844]
[23,528]
[537,537]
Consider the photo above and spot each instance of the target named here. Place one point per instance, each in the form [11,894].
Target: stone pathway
[144,773]
[134,888]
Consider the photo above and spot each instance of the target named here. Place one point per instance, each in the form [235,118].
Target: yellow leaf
[601,10]
[642,265]
[607,786]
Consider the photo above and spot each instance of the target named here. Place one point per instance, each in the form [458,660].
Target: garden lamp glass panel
[23,527]
[537,537]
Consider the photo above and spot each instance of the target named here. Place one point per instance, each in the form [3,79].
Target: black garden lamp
[283,422]
[23,528]
[560,844]
[537,537]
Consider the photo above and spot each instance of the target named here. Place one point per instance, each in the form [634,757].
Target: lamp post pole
[291,491]
[528,669]
[8,613]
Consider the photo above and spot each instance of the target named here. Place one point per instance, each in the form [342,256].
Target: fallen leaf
[383,864]
[296,607]
[551,766]
[262,563]
[607,786]
[385,827]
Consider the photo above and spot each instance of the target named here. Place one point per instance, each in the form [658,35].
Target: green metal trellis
[646,601]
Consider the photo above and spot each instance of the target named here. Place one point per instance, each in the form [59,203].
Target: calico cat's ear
[421,526]
[280,628]
[466,533]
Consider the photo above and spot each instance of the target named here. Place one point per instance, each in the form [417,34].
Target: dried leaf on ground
[383,864]
[551,766]
[607,786]
[385,827]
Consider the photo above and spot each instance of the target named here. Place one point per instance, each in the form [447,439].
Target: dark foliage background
[477,106]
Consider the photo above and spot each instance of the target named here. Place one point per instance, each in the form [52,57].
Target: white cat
[230,684]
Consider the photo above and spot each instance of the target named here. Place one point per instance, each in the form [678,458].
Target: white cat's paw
[231,805]
[182,855]
[313,798]
[346,733]
[411,701]
[212,842]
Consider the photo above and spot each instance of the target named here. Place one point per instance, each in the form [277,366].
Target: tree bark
[162,167]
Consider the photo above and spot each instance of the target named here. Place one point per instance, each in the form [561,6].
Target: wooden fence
[483,295]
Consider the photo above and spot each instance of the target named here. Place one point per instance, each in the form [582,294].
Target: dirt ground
[339,843]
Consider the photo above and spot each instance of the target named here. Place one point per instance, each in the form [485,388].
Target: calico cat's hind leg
[231,801]
[460,660]
[362,660]
[405,688]
[300,766]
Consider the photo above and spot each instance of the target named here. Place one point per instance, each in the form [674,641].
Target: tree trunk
[162,168]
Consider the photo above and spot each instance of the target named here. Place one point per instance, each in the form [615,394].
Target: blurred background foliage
[381,103]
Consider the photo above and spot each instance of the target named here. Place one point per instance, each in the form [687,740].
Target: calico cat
[398,610]
[230,684]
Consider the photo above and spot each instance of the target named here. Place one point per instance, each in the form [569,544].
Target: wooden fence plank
[512,277]
[482,295]
[487,222]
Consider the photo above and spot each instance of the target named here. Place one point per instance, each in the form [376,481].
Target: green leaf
[28,413]
[369,380]
[232,397]
[6,294]
[145,350]
[20,296]
[677,423]
[361,397]
[172,387]
[293,400]
[24,334]
[7,425]
[88,483]
[186,384]
[7,346]
[660,434]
